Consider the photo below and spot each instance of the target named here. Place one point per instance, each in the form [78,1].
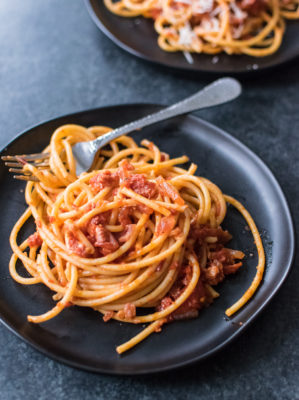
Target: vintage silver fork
[218,92]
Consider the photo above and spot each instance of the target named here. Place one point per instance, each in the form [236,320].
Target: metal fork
[218,92]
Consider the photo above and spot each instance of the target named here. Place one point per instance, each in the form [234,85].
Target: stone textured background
[54,61]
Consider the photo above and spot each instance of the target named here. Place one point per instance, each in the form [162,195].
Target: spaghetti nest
[252,27]
[137,239]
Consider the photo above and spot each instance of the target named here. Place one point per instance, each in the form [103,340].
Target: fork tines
[30,178]
[17,162]
[26,157]
[14,164]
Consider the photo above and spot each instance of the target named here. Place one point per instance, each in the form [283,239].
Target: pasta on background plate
[252,27]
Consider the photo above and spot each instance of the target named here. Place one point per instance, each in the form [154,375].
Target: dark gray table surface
[54,61]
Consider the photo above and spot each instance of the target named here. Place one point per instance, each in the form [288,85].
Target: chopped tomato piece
[124,216]
[74,245]
[124,170]
[104,179]
[168,190]
[34,240]
[141,185]
[165,225]
[108,315]
[104,240]
[130,311]
[231,269]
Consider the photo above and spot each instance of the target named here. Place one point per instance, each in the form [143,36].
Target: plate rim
[244,72]
[199,358]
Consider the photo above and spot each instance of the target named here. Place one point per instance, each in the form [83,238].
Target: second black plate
[138,37]
[78,336]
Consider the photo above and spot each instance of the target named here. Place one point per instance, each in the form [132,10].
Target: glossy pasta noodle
[138,239]
[252,27]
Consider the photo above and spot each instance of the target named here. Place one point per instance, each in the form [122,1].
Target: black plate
[78,336]
[138,37]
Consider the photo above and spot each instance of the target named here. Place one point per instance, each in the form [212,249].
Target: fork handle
[218,92]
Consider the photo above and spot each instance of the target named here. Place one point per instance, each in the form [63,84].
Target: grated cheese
[211,25]
[186,35]
[216,12]
[237,11]
[188,57]
[184,1]
[202,6]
